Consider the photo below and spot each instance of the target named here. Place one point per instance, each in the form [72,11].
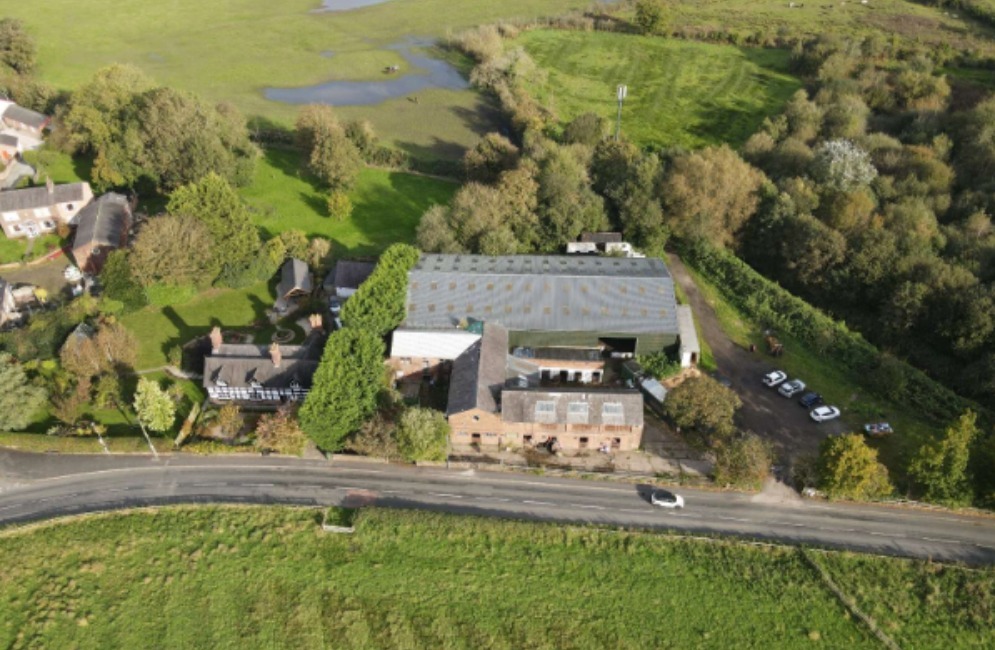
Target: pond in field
[345,5]
[427,72]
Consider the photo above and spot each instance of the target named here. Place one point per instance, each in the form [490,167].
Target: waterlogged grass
[680,93]
[232,50]
[237,577]
[387,205]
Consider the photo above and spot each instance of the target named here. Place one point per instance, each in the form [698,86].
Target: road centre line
[446,495]
[538,503]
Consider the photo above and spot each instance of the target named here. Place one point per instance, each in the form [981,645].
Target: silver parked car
[791,388]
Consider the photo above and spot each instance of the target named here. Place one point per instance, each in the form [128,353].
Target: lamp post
[621,92]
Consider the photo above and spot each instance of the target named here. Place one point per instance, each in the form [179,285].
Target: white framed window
[41,213]
[577,412]
[11,217]
[545,411]
[612,413]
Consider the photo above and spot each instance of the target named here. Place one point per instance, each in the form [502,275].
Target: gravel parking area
[765,412]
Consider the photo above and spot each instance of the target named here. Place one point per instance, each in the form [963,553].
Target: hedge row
[767,303]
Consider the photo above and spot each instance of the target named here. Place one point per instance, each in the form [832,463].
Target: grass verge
[231,577]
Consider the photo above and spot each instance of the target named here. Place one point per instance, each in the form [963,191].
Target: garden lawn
[231,50]
[159,328]
[237,577]
[679,93]
[387,205]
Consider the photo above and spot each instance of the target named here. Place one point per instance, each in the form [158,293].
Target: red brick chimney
[275,354]
[216,340]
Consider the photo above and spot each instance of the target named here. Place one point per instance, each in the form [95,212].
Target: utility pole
[620,93]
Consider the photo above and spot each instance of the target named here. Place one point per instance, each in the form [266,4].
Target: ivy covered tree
[423,434]
[155,409]
[849,469]
[20,401]
[743,462]
[215,203]
[704,406]
[119,282]
[939,469]
[378,306]
[345,387]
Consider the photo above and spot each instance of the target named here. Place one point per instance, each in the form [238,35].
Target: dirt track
[782,421]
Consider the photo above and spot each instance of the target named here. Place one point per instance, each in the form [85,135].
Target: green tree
[378,306]
[331,156]
[295,243]
[493,155]
[711,194]
[153,406]
[215,203]
[345,386]
[175,251]
[939,469]
[17,47]
[743,461]
[567,206]
[651,16]
[587,128]
[339,205]
[849,469]
[423,434]
[20,401]
[704,406]
[119,283]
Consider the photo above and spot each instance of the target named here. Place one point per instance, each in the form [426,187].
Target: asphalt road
[34,487]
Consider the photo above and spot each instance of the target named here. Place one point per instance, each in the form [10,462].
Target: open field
[230,50]
[386,205]
[680,93]
[267,577]
[903,19]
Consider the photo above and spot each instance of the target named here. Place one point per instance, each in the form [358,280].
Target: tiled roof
[27,116]
[479,373]
[39,197]
[103,221]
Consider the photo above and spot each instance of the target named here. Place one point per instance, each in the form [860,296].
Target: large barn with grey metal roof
[548,300]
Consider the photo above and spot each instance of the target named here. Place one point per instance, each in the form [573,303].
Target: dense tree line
[140,134]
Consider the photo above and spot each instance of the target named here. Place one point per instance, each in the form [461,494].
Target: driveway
[782,421]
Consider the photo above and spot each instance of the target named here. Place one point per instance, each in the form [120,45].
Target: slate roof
[479,373]
[558,354]
[563,293]
[294,276]
[39,197]
[8,140]
[103,221]
[519,405]
[26,116]
[238,365]
[349,274]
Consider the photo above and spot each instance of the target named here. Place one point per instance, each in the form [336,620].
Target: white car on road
[774,377]
[666,499]
[824,413]
[791,388]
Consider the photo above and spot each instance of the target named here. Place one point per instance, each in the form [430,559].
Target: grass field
[680,93]
[230,50]
[267,577]
[386,205]
[902,19]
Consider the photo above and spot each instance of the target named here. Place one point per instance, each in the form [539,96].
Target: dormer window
[254,383]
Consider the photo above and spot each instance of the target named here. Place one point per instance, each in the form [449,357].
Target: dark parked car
[810,400]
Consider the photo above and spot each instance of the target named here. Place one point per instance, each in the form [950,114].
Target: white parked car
[824,413]
[72,273]
[791,388]
[774,378]
[666,499]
